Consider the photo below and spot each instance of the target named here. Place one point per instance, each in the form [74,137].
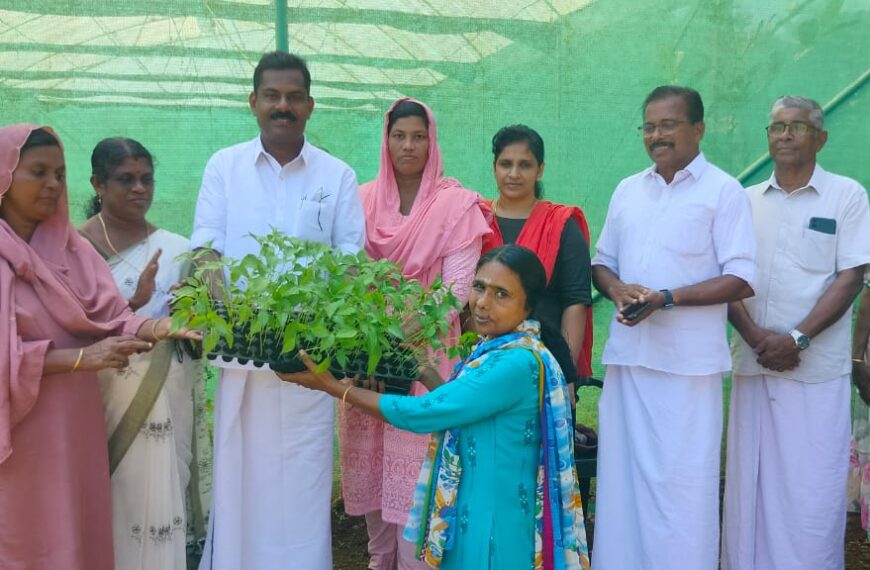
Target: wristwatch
[669,300]
[800,339]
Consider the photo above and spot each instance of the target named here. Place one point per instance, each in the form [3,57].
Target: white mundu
[660,414]
[789,432]
[273,440]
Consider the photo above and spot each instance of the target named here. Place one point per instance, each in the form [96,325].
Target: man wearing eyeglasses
[788,432]
[676,247]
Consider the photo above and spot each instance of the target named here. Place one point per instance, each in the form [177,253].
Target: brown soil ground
[349,542]
[857,545]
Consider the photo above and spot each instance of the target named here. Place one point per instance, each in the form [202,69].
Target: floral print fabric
[560,535]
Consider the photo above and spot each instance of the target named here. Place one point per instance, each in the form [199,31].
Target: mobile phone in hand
[633,311]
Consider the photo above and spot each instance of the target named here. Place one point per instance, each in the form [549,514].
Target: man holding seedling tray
[273,441]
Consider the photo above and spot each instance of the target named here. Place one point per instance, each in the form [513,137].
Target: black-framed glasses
[666,127]
[797,128]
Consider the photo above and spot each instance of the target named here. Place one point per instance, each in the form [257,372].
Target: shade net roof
[176,74]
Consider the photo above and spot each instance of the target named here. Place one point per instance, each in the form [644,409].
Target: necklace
[495,207]
[129,281]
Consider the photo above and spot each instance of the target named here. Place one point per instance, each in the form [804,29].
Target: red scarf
[542,233]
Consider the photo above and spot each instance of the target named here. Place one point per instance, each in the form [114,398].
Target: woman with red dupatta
[430,225]
[521,217]
[61,320]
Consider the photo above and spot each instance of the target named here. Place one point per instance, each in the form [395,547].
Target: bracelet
[858,360]
[343,396]
[79,359]
[154,330]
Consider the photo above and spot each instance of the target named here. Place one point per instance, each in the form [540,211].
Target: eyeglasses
[666,127]
[797,128]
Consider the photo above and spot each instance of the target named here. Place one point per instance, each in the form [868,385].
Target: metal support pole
[281,41]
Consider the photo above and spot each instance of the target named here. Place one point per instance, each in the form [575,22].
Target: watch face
[800,339]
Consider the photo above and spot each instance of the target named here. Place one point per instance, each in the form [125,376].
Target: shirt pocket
[817,251]
[314,222]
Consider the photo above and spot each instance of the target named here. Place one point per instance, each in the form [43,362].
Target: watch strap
[669,299]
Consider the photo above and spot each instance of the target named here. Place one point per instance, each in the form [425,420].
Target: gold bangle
[154,330]
[343,396]
[78,359]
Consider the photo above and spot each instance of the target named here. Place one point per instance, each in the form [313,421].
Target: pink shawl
[445,216]
[70,279]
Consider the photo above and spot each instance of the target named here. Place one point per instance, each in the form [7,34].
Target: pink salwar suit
[441,235]
[56,292]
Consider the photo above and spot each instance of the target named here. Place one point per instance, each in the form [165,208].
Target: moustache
[284,115]
[659,144]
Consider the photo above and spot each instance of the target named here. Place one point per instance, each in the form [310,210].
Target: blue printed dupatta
[560,531]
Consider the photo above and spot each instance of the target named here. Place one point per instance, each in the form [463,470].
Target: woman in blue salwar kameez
[498,488]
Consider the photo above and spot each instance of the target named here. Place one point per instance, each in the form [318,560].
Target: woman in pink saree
[431,226]
[61,320]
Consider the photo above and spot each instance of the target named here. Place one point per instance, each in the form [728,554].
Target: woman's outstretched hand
[365,400]
[111,352]
[373,384]
[311,379]
[161,329]
[185,333]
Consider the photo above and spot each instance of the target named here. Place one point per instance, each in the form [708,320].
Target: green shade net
[176,75]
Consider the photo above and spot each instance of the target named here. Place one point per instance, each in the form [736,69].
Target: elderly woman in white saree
[150,405]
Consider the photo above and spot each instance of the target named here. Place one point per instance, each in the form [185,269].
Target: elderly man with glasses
[788,432]
[676,247]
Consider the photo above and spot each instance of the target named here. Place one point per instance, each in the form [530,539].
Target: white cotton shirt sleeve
[607,247]
[210,219]
[734,235]
[348,231]
[853,246]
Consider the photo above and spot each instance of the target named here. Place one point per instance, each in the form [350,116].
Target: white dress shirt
[797,264]
[246,191]
[272,440]
[666,236]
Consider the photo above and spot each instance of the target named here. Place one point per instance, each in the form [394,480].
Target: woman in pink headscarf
[431,226]
[61,320]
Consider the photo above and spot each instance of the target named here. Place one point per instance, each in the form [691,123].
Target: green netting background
[175,74]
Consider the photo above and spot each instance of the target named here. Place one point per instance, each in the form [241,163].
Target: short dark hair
[520,133]
[694,104]
[111,153]
[39,137]
[406,109]
[281,60]
[108,155]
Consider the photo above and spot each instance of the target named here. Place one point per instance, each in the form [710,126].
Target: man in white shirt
[676,247]
[788,431]
[273,440]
